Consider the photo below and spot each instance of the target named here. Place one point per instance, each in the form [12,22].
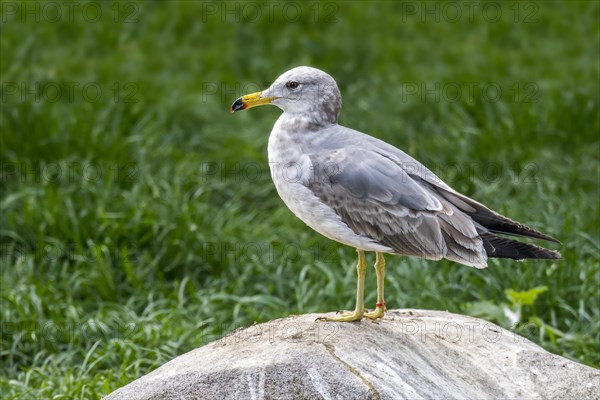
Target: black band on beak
[238,105]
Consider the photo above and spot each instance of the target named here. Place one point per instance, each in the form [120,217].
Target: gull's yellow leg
[359,310]
[380,271]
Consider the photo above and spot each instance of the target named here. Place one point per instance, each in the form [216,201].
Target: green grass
[143,224]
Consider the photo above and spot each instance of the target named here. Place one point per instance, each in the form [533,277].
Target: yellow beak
[251,100]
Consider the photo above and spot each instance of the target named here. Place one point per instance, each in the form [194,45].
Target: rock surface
[410,354]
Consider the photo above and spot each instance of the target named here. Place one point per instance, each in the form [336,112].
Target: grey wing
[374,196]
[483,216]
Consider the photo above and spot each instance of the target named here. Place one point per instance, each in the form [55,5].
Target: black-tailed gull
[365,193]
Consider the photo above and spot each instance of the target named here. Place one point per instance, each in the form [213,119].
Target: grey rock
[410,354]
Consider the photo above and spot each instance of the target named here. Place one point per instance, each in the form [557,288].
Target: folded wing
[375,197]
[399,203]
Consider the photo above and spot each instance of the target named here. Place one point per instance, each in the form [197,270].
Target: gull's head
[302,91]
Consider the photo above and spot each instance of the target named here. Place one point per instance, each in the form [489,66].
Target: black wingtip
[491,220]
[499,247]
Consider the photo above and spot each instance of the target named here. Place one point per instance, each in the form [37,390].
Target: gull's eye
[292,85]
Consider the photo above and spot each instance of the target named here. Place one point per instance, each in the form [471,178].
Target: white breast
[290,169]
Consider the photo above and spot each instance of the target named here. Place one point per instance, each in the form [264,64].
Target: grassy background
[138,220]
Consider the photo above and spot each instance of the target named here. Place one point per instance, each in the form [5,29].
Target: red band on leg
[380,305]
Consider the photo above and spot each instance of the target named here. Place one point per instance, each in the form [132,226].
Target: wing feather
[375,197]
[382,192]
